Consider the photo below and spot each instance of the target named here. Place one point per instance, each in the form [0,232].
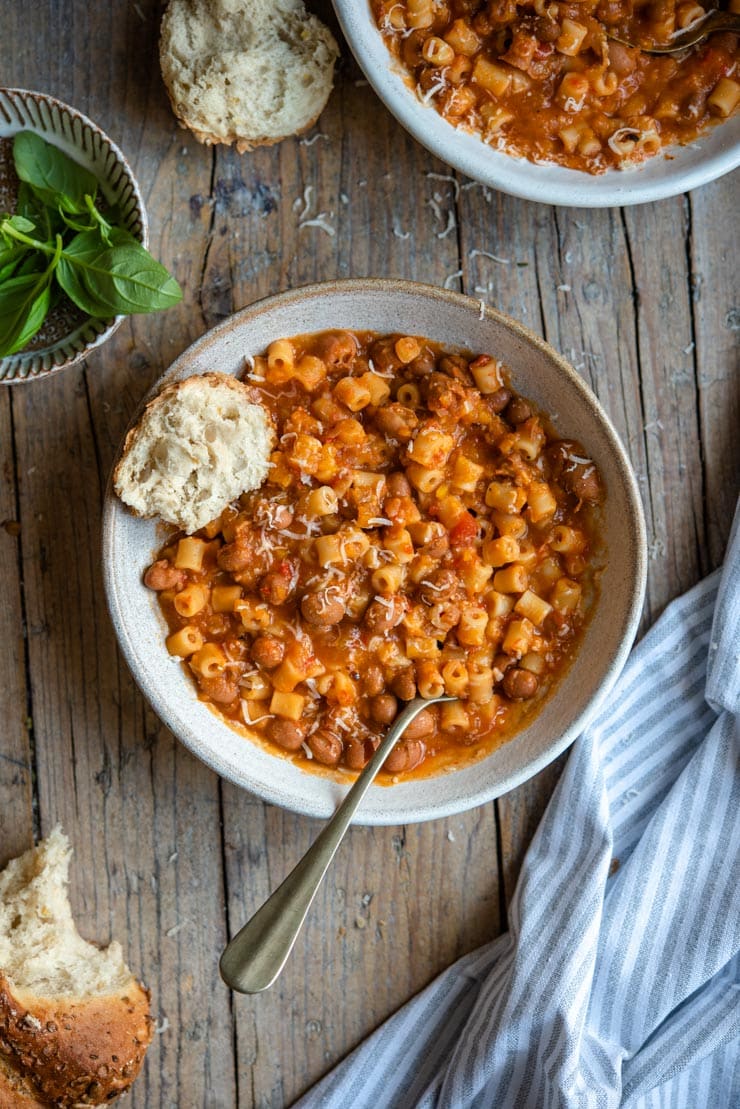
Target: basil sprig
[59,239]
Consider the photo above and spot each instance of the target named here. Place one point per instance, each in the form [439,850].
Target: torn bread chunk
[198,445]
[246,72]
[74,1022]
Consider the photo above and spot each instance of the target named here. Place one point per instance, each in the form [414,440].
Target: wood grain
[168,858]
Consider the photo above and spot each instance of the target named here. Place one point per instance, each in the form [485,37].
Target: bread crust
[16,1091]
[78,1051]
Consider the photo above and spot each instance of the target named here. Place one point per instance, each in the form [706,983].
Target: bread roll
[198,445]
[249,72]
[74,1022]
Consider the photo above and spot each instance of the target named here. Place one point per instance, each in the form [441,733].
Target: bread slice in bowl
[246,72]
[198,445]
[74,1022]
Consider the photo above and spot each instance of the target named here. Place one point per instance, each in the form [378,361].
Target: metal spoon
[257,954]
[697,32]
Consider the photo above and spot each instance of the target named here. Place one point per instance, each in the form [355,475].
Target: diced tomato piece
[464,532]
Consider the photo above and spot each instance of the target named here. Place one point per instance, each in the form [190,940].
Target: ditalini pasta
[542,80]
[422,530]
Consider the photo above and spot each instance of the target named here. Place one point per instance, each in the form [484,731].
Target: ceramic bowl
[68,335]
[538,372]
[682,168]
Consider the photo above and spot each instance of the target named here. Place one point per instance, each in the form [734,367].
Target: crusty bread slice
[198,445]
[74,1022]
[250,72]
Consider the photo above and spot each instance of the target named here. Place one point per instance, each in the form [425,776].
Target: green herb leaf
[124,277]
[10,257]
[71,273]
[24,302]
[45,219]
[54,177]
[20,223]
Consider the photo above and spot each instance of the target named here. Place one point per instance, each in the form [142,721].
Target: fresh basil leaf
[34,262]
[124,277]
[10,256]
[132,281]
[45,219]
[20,223]
[71,279]
[54,177]
[24,303]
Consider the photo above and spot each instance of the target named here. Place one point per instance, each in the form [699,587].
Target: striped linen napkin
[619,981]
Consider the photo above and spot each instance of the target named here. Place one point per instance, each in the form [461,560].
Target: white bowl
[686,167]
[538,372]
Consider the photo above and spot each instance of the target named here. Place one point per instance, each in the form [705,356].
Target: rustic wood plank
[16,753]
[714,246]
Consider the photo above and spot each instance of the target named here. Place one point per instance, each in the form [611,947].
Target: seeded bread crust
[247,73]
[77,1051]
[16,1092]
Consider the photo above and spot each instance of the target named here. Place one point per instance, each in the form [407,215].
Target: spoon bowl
[690,36]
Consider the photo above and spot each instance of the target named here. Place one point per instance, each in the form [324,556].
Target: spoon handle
[254,958]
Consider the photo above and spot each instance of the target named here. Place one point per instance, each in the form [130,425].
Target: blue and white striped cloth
[619,981]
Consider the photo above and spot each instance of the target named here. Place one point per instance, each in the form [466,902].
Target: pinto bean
[336,348]
[278,586]
[358,752]
[520,685]
[442,585]
[222,688]
[398,485]
[325,747]
[422,364]
[406,755]
[518,410]
[403,684]
[286,733]
[383,708]
[576,474]
[267,651]
[237,555]
[397,421]
[381,616]
[321,610]
[498,401]
[163,575]
[373,681]
[422,726]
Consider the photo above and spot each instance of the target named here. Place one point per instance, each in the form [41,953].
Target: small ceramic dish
[68,335]
[539,373]
[667,174]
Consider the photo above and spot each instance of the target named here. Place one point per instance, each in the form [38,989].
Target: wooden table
[168,858]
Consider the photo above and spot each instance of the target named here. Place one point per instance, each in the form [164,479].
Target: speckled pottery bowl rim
[69,129]
[129,543]
[670,173]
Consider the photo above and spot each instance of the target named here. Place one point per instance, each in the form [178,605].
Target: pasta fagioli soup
[546,80]
[422,530]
